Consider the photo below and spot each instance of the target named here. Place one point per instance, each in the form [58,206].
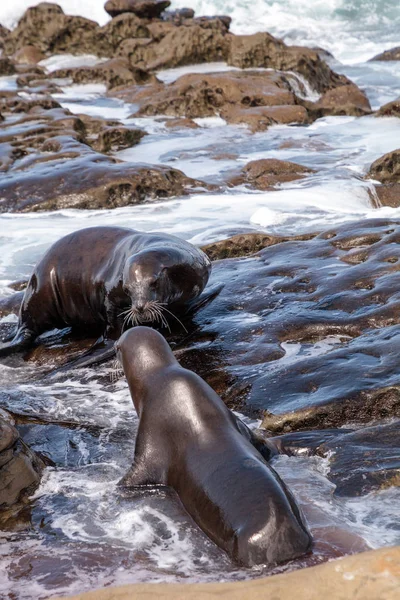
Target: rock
[387,195]
[178,16]
[124,27]
[19,285]
[333,300]
[3,34]
[365,576]
[268,172]
[176,46]
[245,244]
[145,9]
[387,168]
[203,95]
[365,460]
[20,472]
[92,182]
[11,304]
[115,72]
[16,104]
[46,27]
[345,99]
[391,109]
[263,50]
[393,54]
[261,118]
[79,176]
[114,139]
[7,67]
[29,55]
[181,122]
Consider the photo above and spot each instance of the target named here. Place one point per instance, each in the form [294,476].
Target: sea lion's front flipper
[21,341]
[205,298]
[138,476]
[98,353]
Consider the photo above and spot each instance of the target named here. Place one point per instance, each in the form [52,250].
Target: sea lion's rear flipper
[205,298]
[21,341]
[259,439]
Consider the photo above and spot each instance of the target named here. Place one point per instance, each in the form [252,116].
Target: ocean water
[77,504]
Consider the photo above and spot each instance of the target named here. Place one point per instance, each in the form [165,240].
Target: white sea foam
[69,61]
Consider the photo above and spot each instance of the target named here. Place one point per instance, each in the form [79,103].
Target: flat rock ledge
[365,576]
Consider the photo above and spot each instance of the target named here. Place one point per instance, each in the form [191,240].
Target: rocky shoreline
[330,296]
[36,132]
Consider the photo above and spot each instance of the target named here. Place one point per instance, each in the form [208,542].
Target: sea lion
[189,440]
[101,278]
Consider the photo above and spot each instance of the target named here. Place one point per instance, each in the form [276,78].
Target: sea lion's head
[142,351]
[155,279]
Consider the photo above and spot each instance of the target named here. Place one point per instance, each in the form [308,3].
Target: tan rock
[387,168]
[7,67]
[147,9]
[391,109]
[190,44]
[263,50]
[266,173]
[393,54]
[387,194]
[115,72]
[112,139]
[199,95]
[342,100]
[262,117]
[178,123]
[366,576]
[245,244]
[46,27]
[29,55]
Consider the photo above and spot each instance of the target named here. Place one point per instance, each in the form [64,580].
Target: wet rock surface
[20,472]
[308,337]
[265,173]
[51,159]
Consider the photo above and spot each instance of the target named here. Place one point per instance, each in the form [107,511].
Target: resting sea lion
[189,440]
[99,278]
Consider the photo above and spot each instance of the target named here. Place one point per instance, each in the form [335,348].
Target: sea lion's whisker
[162,307]
[116,370]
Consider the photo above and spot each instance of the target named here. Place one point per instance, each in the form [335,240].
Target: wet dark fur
[189,440]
